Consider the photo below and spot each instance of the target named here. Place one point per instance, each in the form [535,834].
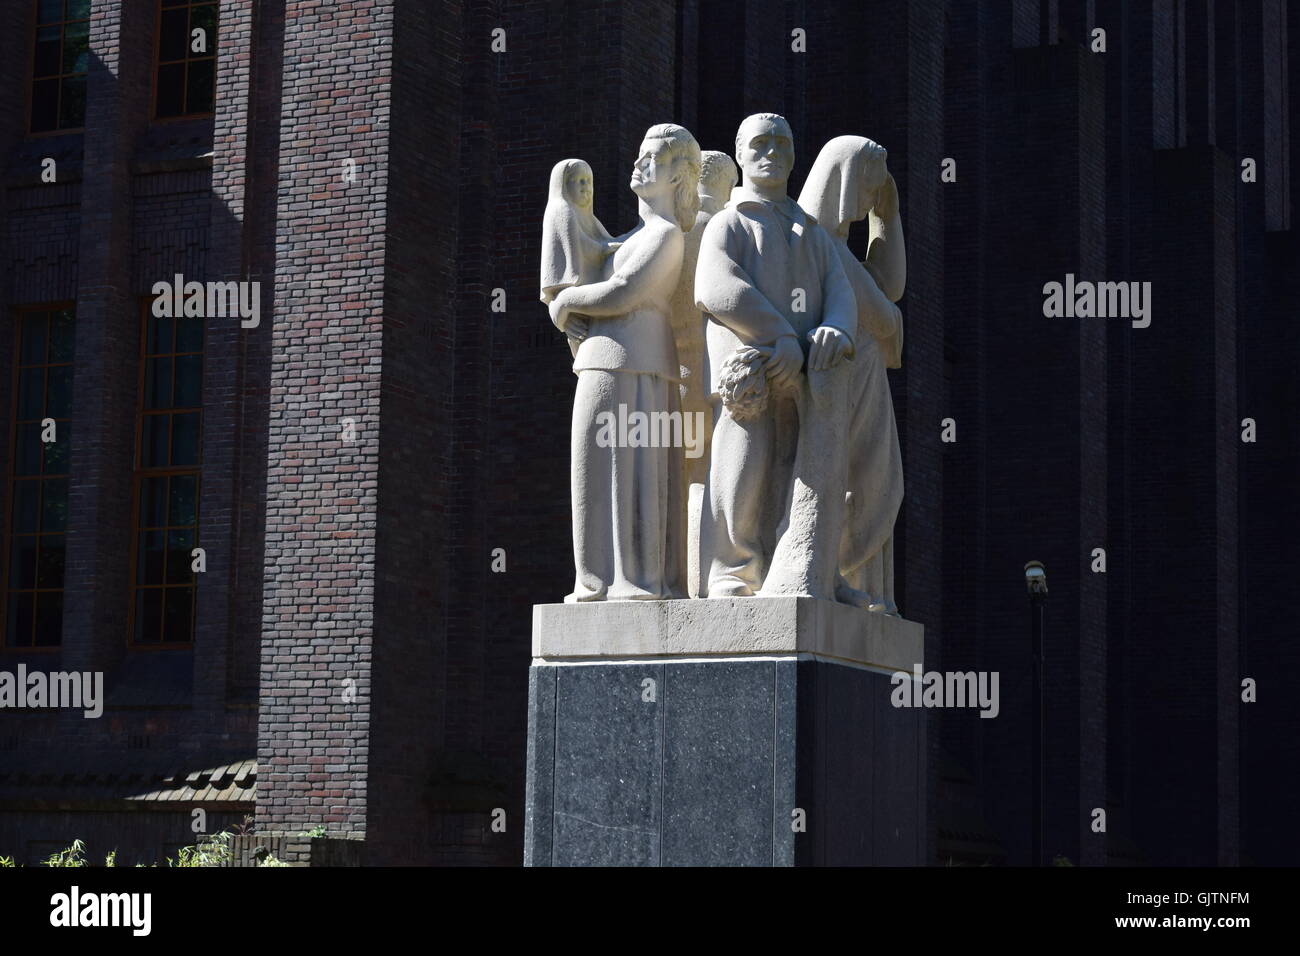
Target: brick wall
[319,581]
[417,464]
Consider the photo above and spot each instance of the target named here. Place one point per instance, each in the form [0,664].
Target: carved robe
[776,487]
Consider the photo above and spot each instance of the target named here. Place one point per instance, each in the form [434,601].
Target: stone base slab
[725,627]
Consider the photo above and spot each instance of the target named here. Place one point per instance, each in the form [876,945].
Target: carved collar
[741,197]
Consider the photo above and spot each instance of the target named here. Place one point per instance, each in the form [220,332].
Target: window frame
[32,25]
[17,312]
[140,474]
[155,64]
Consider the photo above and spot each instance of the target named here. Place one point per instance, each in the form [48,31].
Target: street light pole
[1036,582]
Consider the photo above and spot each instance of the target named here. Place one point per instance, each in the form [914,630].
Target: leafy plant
[215,851]
[74,855]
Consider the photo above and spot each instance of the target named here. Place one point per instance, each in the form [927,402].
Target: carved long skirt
[875,472]
[629,512]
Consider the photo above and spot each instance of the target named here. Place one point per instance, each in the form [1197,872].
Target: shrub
[214,851]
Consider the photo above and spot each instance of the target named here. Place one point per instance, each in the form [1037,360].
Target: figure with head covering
[574,243]
[629,512]
[849,182]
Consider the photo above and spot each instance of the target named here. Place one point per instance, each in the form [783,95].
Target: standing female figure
[628,507]
[849,182]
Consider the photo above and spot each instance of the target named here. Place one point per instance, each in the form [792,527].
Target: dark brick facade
[351,633]
[134,202]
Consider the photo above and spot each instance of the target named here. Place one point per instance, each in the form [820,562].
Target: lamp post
[1036,583]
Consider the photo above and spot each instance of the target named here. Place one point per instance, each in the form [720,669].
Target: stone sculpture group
[742,306]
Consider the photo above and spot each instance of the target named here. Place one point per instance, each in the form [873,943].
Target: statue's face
[578,185]
[766,153]
[652,173]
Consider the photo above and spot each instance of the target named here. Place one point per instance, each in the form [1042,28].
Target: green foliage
[1061,861]
[216,851]
[74,855]
[317,831]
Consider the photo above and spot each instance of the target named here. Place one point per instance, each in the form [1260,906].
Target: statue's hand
[574,326]
[786,360]
[830,346]
[886,206]
[560,313]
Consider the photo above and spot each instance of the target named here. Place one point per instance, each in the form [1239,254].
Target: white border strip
[720,659]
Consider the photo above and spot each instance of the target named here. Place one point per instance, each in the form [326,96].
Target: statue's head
[718,176]
[571,182]
[578,184]
[668,163]
[765,149]
[844,183]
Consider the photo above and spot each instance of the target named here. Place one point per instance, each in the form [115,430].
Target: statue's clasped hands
[783,359]
[830,346]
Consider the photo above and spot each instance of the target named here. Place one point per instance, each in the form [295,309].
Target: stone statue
[718,177]
[574,243]
[781,340]
[628,494]
[848,181]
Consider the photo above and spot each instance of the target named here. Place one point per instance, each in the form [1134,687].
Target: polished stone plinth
[749,731]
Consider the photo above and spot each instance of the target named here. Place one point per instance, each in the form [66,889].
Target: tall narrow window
[167,479]
[38,478]
[60,59]
[187,49]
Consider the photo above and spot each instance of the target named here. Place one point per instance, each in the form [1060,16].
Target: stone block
[704,733]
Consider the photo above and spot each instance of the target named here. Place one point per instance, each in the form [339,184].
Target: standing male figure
[776,293]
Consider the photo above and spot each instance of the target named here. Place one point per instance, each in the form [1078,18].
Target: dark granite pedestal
[784,754]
